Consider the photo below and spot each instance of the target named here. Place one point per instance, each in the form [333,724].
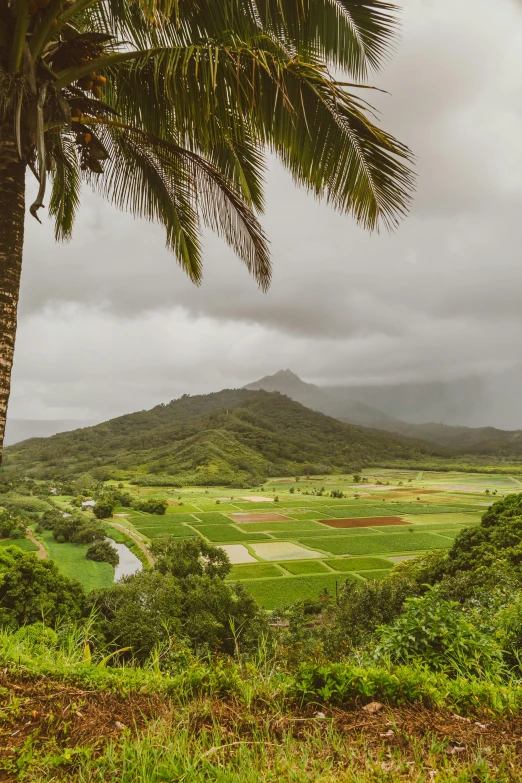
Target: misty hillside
[462,440]
[344,409]
[336,402]
[234,436]
[475,401]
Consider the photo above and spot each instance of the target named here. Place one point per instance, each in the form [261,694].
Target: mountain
[344,409]
[21,429]
[337,402]
[234,436]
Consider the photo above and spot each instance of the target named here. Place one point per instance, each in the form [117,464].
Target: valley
[295,539]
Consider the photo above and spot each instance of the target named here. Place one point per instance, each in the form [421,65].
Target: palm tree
[167,108]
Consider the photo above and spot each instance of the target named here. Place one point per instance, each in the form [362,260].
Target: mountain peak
[279,381]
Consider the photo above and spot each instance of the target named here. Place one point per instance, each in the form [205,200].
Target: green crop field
[178,531]
[379,574]
[251,571]
[448,503]
[71,560]
[184,509]
[359,564]
[305,567]
[272,593]
[179,518]
[222,533]
[213,518]
[279,527]
[380,544]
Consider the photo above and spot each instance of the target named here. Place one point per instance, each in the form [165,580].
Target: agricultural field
[291,539]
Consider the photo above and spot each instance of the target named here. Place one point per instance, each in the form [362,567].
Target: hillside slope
[229,437]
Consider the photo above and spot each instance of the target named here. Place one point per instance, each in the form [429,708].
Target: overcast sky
[109,323]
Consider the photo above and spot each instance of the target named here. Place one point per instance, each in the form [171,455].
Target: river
[129,563]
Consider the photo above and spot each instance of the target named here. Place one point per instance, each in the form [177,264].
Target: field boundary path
[42,551]
[135,538]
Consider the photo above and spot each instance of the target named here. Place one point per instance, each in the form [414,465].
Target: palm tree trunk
[12,211]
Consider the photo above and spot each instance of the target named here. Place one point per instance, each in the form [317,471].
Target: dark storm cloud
[109,323]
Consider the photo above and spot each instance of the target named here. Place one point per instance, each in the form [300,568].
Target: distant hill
[462,440]
[344,409]
[233,436]
[21,429]
[337,402]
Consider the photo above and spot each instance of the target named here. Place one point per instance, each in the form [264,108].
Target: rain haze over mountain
[424,324]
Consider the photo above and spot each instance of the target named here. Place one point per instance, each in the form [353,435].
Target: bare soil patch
[363,522]
[259,518]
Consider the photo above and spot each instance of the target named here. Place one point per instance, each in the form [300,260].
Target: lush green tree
[88,532]
[103,552]
[167,107]
[33,590]
[189,557]
[103,509]
[10,527]
[78,530]
[184,597]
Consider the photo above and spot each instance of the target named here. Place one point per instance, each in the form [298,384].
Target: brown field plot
[363,522]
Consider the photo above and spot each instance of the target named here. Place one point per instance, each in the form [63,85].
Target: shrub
[436,632]
[150,506]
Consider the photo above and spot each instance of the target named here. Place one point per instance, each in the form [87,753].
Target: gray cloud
[109,323]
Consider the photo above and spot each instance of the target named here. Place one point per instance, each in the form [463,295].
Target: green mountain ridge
[232,436]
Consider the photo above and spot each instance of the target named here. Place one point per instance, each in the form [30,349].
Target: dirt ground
[64,716]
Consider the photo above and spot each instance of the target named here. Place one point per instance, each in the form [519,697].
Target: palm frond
[242,162]
[324,134]
[353,34]
[65,195]
[162,181]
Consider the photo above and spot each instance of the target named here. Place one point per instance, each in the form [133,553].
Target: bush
[363,607]
[103,552]
[436,632]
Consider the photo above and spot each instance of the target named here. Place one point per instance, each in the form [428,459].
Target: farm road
[42,552]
